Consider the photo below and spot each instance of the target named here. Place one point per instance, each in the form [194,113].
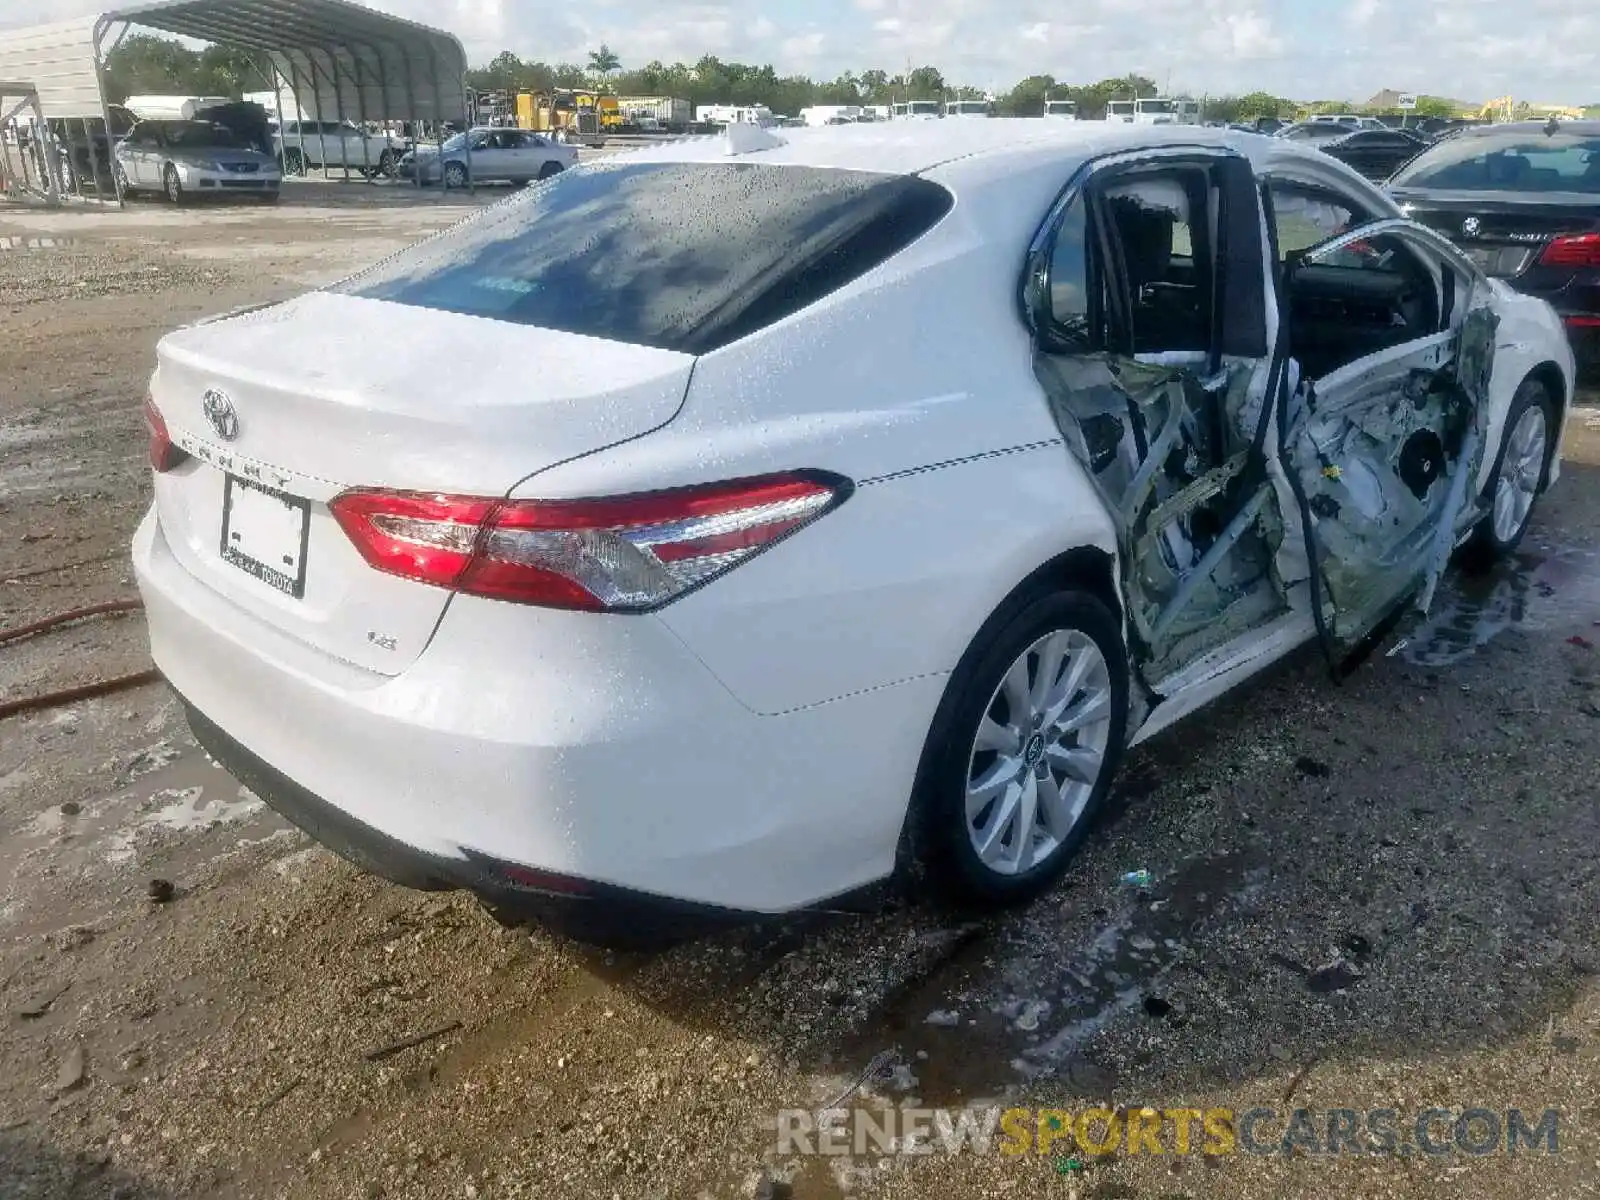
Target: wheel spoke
[1016,690]
[1063,695]
[1081,763]
[1027,822]
[1050,655]
[1006,739]
[989,785]
[1055,812]
[1096,707]
[991,840]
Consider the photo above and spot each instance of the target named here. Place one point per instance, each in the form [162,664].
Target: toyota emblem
[219,412]
[1470,227]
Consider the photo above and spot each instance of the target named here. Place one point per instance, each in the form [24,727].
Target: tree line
[144,64]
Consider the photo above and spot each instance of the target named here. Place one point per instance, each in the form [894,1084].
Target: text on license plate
[265,532]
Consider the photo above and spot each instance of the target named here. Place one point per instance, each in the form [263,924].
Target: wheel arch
[1087,567]
[1549,374]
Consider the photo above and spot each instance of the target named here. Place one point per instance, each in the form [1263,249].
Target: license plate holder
[265,533]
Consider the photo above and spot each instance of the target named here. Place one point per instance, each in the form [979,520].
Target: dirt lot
[1374,895]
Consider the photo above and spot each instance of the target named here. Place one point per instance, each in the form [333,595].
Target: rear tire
[171,185]
[549,169]
[1521,472]
[455,175]
[1022,750]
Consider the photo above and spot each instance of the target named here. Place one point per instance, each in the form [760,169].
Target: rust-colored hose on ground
[83,691]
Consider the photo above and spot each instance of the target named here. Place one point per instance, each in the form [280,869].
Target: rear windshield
[679,256]
[197,134]
[1515,162]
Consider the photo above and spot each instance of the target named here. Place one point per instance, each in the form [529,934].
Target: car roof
[1583,128]
[999,146]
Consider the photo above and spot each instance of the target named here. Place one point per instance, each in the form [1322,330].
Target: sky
[1539,50]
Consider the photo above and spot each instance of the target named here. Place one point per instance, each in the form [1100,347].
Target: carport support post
[466,133]
[322,137]
[105,113]
[438,125]
[361,114]
[283,121]
[94,159]
[411,119]
[299,116]
[338,100]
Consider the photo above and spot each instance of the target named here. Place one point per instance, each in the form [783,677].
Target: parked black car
[1523,199]
[1376,153]
[1316,131]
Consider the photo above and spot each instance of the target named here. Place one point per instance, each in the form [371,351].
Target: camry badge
[1470,227]
[220,413]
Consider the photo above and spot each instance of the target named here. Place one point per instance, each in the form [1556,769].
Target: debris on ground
[32,1010]
[73,1069]
[406,1043]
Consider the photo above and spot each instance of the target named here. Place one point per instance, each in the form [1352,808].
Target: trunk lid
[330,392]
[1504,232]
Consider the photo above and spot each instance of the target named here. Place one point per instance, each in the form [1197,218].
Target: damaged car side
[1287,398]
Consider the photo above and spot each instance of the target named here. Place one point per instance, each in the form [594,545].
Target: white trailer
[969,108]
[733,114]
[831,114]
[1066,110]
[171,108]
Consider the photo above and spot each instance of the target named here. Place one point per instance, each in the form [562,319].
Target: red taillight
[617,554]
[163,454]
[1572,250]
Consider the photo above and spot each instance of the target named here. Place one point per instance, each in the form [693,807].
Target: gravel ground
[1379,894]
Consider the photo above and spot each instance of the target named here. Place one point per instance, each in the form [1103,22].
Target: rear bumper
[593,748]
[579,908]
[1583,331]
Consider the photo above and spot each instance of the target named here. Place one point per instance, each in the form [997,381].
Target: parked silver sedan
[184,159]
[489,154]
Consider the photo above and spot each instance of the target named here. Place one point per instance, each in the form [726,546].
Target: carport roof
[288,25]
[339,58]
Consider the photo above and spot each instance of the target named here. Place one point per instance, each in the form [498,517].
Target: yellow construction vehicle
[566,114]
[1507,108]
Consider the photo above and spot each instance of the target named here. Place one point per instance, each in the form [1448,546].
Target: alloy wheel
[1521,471]
[1039,750]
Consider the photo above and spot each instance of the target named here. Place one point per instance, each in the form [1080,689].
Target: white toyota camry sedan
[732,526]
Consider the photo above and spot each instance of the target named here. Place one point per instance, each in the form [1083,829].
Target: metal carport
[340,61]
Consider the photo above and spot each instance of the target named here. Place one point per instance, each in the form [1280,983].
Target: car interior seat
[1165,311]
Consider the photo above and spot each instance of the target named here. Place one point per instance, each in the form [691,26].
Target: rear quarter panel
[914,381]
[1530,335]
